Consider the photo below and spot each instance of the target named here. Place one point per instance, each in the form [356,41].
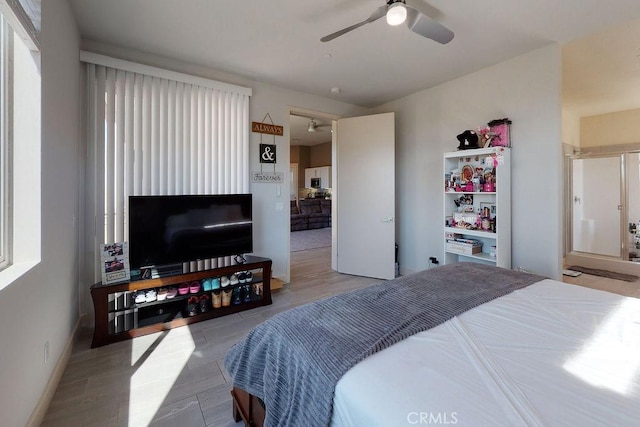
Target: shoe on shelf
[206,285]
[139,297]
[215,283]
[237,298]
[257,290]
[249,277]
[216,299]
[183,288]
[172,292]
[204,303]
[242,277]
[150,295]
[192,306]
[226,297]
[224,281]
[162,294]
[233,280]
[246,293]
[194,287]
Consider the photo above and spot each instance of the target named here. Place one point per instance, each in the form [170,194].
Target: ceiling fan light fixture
[396,13]
[312,126]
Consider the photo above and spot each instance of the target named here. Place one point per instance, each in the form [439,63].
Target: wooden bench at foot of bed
[248,408]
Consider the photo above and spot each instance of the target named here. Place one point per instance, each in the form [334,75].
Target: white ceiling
[278,42]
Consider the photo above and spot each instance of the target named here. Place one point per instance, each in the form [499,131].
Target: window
[156,132]
[6,42]
[20,177]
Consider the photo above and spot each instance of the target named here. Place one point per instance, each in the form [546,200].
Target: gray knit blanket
[294,360]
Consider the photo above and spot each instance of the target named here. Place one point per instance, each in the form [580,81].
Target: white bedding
[551,354]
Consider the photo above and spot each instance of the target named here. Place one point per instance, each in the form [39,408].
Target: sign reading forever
[268,177]
[267,128]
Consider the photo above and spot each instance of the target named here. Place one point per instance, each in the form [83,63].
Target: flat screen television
[165,230]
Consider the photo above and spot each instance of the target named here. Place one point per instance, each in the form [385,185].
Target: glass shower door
[597,205]
[633,206]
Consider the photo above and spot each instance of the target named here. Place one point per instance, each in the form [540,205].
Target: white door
[365,196]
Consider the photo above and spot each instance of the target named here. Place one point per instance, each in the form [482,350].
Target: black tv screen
[167,230]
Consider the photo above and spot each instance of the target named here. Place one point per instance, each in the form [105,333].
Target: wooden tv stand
[118,317]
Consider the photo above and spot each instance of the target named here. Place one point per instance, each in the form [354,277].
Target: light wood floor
[177,378]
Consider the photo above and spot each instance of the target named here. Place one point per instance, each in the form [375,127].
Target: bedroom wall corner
[527,89]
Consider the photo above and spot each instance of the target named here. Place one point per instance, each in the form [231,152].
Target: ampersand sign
[267,153]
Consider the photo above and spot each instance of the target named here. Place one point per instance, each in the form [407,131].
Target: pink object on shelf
[183,289]
[194,287]
[489,187]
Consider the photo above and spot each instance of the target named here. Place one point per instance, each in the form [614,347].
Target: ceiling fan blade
[421,24]
[377,14]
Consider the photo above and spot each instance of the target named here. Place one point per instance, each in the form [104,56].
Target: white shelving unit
[493,230]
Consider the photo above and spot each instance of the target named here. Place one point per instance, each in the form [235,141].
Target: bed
[531,351]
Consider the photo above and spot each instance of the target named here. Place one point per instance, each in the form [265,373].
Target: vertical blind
[149,135]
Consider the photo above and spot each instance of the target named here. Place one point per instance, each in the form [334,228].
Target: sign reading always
[267,177]
[267,153]
[267,128]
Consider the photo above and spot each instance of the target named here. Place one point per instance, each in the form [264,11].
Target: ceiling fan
[397,12]
[314,126]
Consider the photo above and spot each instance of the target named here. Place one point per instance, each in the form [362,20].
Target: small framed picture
[115,263]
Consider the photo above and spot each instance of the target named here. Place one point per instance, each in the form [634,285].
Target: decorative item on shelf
[465,220]
[464,246]
[500,128]
[486,223]
[495,159]
[488,209]
[468,140]
[485,136]
[464,203]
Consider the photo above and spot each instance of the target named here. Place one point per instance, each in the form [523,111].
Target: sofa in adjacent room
[310,214]
[299,221]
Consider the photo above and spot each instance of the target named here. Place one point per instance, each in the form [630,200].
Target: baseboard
[45,400]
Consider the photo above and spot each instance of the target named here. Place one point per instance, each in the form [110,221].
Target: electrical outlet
[46,352]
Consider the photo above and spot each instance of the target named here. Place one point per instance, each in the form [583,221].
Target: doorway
[311,184]
[363,152]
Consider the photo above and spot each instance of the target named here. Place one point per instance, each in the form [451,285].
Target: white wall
[43,304]
[621,127]
[525,89]
[570,128]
